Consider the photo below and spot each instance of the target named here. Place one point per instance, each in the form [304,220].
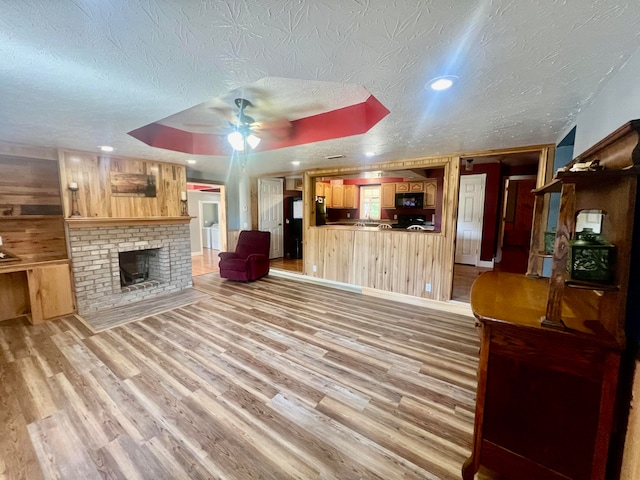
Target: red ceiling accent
[342,122]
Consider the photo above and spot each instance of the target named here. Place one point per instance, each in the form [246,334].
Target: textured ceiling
[82,73]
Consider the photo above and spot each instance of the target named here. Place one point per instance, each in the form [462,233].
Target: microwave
[409,200]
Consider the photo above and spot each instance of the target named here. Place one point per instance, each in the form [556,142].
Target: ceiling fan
[245,130]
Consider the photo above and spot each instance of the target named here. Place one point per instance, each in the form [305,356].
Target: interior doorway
[531,164]
[515,229]
[470,216]
[208,227]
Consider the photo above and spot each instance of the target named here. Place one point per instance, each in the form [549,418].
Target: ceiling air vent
[333,157]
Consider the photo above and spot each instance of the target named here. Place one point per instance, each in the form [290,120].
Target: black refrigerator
[321,211]
[293,228]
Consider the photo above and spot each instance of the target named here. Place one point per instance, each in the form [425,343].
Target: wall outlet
[348,214]
[395,217]
[314,268]
[427,287]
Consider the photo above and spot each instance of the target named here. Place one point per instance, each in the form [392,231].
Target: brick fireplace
[95,258]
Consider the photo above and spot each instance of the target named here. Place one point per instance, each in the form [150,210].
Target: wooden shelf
[29,217]
[81,222]
[554,186]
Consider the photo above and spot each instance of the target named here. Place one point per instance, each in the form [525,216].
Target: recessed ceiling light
[191,161]
[105,148]
[370,154]
[442,83]
[295,163]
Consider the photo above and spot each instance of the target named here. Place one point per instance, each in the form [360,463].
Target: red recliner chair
[250,261]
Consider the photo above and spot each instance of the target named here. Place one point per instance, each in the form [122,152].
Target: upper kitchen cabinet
[430,193]
[416,186]
[337,196]
[388,195]
[350,196]
[321,189]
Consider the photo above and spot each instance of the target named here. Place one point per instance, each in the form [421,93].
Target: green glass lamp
[590,258]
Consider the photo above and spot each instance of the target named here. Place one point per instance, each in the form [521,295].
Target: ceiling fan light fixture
[236,140]
[253,140]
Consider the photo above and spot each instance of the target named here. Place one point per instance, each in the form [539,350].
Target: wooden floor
[205,263]
[208,263]
[287,264]
[463,277]
[273,379]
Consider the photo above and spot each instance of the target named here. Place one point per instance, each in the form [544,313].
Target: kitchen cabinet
[337,196]
[350,196]
[328,195]
[430,191]
[551,348]
[321,188]
[416,186]
[388,195]
[402,187]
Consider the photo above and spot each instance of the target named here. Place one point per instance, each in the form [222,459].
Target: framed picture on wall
[133,185]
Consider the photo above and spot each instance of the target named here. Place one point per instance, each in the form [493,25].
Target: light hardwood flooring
[463,278]
[287,264]
[205,263]
[272,379]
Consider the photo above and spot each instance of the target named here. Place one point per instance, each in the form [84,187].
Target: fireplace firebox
[134,266]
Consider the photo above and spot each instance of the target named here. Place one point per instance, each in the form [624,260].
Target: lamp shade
[236,140]
[253,140]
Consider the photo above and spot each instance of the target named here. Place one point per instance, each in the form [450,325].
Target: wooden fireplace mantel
[82,222]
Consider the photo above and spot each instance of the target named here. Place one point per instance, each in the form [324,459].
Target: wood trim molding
[115,222]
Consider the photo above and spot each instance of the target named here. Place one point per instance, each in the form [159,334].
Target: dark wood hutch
[548,381]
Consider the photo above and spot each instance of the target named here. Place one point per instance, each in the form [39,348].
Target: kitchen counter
[373,227]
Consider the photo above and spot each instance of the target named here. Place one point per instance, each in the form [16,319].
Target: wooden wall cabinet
[350,196]
[337,196]
[388,195]
[320,188]
[551,347]
[402,187]
[416,186]
[430,191]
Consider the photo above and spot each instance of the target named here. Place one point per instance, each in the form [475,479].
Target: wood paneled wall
[395,261]
[93,172]
[31,223]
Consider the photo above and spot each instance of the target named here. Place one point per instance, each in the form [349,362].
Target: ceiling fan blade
[279,129]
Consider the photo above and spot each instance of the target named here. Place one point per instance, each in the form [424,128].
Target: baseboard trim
[320,281]
[458,308]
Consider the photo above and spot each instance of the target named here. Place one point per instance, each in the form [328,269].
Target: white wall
[195,232]
[616,104]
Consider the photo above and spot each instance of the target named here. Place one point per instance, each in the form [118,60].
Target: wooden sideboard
[550,395]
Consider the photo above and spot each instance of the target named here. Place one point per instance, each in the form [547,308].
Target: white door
[271,212]
[470,213]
